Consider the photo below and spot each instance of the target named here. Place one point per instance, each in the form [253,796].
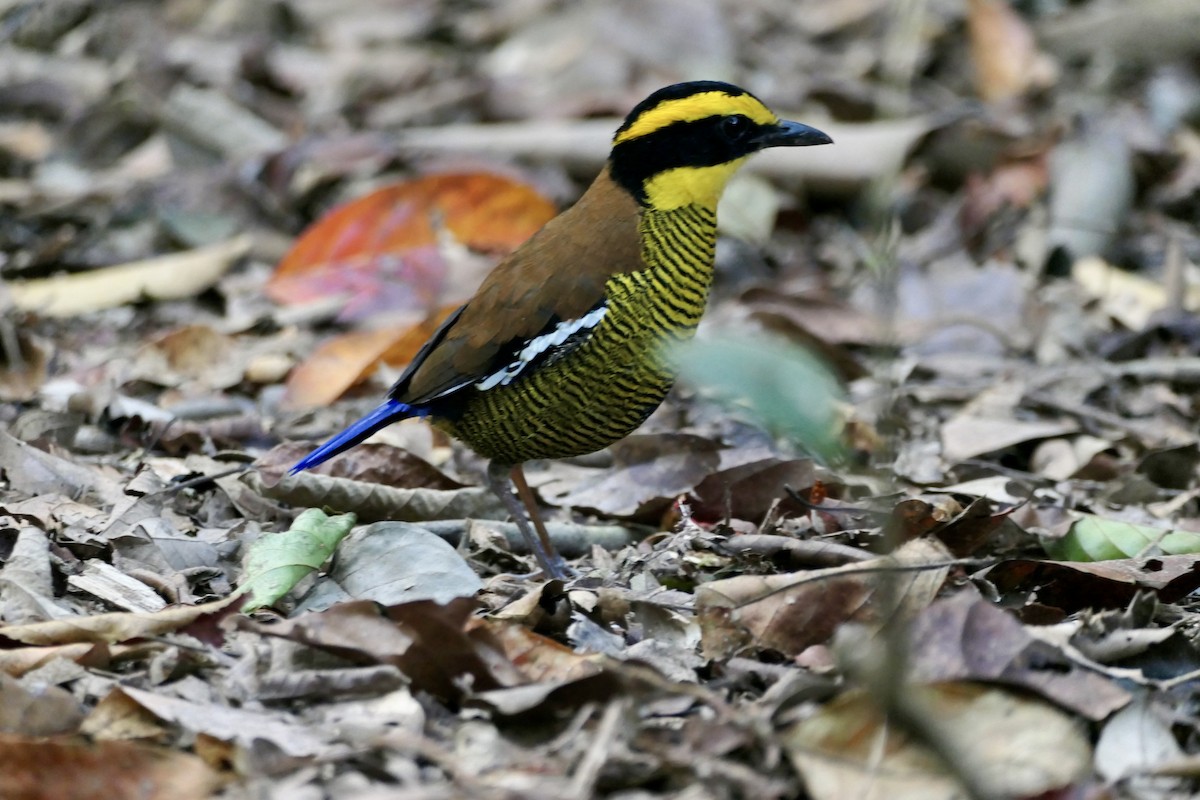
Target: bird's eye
[735,127]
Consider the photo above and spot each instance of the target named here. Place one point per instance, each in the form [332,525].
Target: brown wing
[558,274]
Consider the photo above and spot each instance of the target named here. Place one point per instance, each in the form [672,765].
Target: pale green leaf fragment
[278,561]
[1092,538]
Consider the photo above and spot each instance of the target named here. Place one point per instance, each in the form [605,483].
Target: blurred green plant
[784,387]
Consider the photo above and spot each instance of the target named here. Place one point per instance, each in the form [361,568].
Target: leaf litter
[985,580]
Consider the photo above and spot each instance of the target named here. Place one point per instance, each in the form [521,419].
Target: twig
[583,782]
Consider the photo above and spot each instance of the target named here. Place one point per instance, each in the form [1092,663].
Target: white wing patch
[540,344]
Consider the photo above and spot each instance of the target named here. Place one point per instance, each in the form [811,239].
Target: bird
[564,348]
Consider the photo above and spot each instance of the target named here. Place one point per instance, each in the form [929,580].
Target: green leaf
[277,561]
[1092,538]
[789,390]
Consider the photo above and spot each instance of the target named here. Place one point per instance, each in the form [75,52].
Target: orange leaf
[346,360]
[381,250]
[1004,52]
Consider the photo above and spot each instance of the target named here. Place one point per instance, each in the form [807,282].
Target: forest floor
[980,585]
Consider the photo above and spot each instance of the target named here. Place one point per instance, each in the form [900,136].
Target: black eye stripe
[697,143]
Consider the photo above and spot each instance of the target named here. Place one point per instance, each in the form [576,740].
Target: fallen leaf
[37,711]
[241,725]
[190,352]
[276,562]
[1092,538]
[1016,747]
[23,361]
[748,491]
[790,612]
[118,627]
[1127,297]
[36,472]
[393,563]
[1073,586]
[167,277]
[373,503]
[428,642]
[647,467]
[345,361]
[964,637]
[50,769]
[1134,744]
[383,464]
[966,436]
[1004,52]
[382,249]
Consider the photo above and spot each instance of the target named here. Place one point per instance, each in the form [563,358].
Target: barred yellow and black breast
[602,383]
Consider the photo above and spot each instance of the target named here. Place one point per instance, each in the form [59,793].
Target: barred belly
[606,386]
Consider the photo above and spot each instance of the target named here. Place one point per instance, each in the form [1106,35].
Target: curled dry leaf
[371,502]
[384,464]
[119,627]
[169,277]
[240,725]
[374,503]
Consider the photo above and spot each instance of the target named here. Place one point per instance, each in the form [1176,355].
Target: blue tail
[381,417]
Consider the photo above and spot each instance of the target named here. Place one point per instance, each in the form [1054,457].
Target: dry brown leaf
[790,612]
[23,360]
[430,643]
[648,467]
[347,360]
[243,726]
[1016,746]
[1004,52]
[53,769]
[109,628]
[964,637]
[1073,586]
[540,659]
[372,502]
[42,711]
[191,352]
[383,464]
[967,436]
[1127,297]
[167,277]
[36,472]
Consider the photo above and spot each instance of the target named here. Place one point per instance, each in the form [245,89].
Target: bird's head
[681,144]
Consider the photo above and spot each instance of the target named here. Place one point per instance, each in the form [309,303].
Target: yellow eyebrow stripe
[694,107]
